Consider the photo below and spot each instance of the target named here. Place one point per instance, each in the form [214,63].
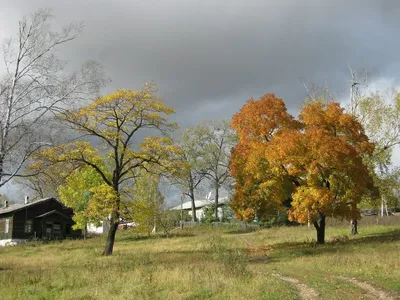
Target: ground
[210,263]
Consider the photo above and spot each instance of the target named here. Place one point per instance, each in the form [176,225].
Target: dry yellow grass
[205,263]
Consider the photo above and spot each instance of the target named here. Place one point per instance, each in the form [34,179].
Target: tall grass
[203,263]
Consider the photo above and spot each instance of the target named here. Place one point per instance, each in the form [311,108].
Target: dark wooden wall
[38,224]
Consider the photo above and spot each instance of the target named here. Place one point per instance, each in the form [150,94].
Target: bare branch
[35,86]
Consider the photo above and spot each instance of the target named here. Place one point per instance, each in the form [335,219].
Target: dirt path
[305,292]
[373,292]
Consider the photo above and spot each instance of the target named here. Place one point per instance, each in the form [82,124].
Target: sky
[209,56]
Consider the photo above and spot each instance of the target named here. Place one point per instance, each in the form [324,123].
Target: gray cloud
[208,57]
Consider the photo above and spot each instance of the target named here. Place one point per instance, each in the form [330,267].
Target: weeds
[203,263]
[234,261]
[339,239]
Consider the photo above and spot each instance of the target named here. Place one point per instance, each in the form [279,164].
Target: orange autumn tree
[315,163]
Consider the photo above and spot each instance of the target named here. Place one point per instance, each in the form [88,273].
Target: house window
[7,226]
[57,229]
[28,226]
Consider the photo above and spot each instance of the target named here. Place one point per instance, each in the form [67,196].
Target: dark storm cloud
[208,57]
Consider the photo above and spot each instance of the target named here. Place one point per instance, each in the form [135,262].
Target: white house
[200,204]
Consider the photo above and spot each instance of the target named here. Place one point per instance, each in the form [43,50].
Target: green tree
[209,214]
[379,113]
[146,208]
[78,193]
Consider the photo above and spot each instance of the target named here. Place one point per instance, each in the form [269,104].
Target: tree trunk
[387,211]
[194,219]
[191,195]
[1,167]
[353,222]
[216,201]
[85,231]
[354,227]
[154,225]
[320,227]
[108,250]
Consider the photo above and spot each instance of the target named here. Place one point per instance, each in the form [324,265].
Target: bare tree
[216,140]
[35,85]
[358,90]
[190,178]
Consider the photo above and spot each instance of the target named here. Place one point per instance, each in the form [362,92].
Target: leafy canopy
[146,208]
[114,121]
[82,190]
[314,165]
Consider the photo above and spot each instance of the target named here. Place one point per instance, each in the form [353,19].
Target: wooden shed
[44,219]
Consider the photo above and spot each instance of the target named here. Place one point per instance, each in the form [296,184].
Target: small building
[104,226]
[200,204]
[98,228]
[44,219]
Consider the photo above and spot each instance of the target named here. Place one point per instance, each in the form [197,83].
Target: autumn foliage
[312,165]
[109,169]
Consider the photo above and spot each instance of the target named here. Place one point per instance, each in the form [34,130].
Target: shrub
[209,215]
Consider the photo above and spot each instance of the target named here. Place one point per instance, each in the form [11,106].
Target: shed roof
[20,206]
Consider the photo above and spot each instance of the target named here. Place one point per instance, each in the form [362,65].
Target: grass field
[210,263]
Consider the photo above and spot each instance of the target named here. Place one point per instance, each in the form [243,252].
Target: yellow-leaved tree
[113,123]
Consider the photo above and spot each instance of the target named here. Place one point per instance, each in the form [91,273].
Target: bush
[170,219]
[209,215]
[280,219]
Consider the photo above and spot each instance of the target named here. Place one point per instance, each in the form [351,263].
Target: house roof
[200,204]
[20,206]
[50,213]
